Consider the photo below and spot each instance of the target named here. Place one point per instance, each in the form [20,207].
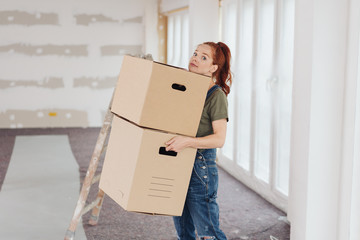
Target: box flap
[132,85]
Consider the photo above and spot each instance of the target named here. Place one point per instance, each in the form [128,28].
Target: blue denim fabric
[201,212]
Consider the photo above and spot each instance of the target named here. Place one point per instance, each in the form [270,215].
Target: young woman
[201,211]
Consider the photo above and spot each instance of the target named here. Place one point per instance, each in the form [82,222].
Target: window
[260,36]
[178,38]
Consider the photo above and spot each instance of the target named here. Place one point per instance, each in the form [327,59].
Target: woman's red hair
[221,57]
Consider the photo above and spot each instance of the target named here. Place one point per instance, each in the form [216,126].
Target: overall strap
[211,90]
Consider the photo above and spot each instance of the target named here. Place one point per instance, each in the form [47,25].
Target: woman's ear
[213,68]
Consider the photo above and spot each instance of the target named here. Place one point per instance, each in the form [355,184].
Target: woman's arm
[215,140]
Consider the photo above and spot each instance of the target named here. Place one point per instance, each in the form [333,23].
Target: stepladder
[90,179]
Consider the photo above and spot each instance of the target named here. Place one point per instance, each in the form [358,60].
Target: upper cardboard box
[160,96]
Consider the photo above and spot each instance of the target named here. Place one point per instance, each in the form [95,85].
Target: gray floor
[243,213]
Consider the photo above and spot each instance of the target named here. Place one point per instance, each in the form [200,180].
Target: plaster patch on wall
[133,20]
[95,83]
[50,82]
[43,117]
[87,19]
[115,50]
[43,50]
[28,19]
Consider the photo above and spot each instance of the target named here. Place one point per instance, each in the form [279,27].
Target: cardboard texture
[160,96]
[138,177]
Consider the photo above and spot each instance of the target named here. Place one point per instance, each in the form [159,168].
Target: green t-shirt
[215,108]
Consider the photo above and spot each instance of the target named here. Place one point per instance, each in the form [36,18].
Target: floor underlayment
[40,189]
[244,215]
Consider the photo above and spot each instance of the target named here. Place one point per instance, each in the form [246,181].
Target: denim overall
[201,211]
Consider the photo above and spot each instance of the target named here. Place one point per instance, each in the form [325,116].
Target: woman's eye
[203,58]
[195,54]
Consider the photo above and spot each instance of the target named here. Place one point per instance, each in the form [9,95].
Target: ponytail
[221,57]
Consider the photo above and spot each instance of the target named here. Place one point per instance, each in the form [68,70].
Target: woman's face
[201,61]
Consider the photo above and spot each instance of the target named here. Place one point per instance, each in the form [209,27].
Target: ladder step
[90,206]
[95,179]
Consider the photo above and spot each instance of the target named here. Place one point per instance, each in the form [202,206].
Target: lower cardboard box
[140,175]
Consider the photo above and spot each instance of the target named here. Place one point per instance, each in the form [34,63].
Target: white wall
[151,31]
[349,199]
[204,22]
[322,179]
[60,60]
[171,5]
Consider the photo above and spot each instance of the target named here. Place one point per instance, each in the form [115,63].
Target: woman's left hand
[178,143]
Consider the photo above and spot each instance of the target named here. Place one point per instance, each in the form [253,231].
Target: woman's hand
[178,143]
[215,140]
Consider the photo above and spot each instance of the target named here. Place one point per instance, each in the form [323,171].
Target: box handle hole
[162,151]
[178,87]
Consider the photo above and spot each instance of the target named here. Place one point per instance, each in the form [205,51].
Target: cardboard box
[139,176]
[160,96]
